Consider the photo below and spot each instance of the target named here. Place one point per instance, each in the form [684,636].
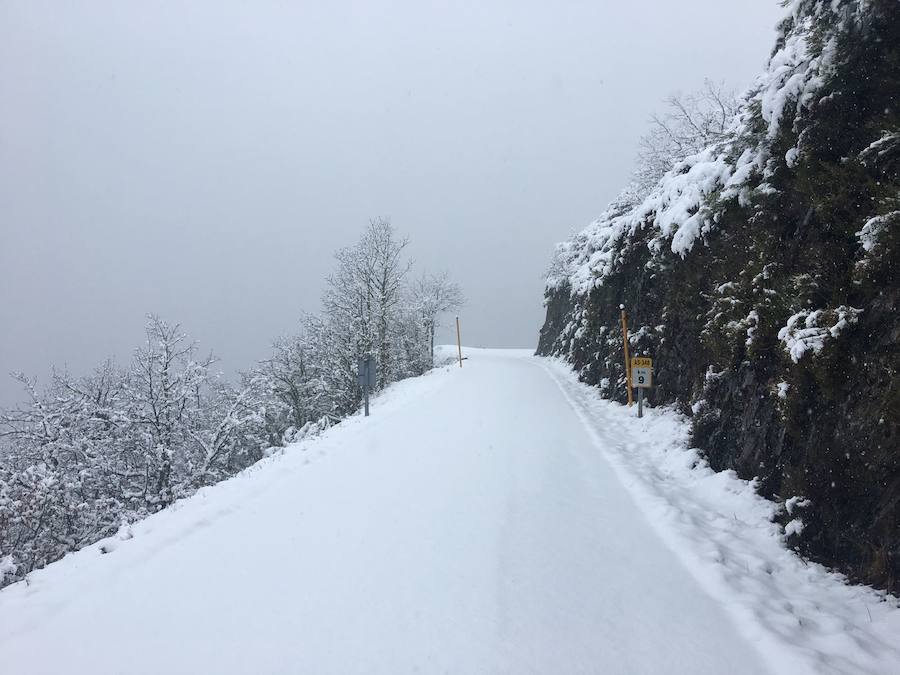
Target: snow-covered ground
[497,518]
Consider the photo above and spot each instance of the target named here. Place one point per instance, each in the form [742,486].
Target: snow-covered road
[469,526]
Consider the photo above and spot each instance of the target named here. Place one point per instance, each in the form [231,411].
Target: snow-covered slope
[497,518]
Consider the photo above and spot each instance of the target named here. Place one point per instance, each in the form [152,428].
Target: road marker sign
[641,378]
[641,372]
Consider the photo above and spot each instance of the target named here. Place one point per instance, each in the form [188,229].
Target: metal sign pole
[640,402]
[365,376]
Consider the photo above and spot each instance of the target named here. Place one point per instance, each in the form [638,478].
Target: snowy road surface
[469,526]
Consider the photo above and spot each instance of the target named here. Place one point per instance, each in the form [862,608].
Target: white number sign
[641,373]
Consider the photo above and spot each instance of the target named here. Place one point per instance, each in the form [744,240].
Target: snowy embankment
[497,518]
[804,617]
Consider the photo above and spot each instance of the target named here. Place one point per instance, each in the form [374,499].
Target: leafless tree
[689,123]
[168,378]
[364,294]
[432,296]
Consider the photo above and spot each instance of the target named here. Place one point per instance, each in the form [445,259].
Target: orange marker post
[627,360]
[458,342]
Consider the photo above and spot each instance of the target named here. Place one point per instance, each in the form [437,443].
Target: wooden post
[627,359]
[458,342]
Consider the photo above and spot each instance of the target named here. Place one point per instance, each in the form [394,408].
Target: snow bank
[805,618]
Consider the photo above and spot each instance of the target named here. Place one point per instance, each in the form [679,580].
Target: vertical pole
[640,402]
[369,364]
[458,342]
[627,359]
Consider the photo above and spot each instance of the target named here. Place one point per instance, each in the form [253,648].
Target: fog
[204,160]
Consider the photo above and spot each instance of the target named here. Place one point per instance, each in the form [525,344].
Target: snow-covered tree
[289,374]
[364,294]
[167,382]
[59,486]
[87,454]
[689,123]
[432,296]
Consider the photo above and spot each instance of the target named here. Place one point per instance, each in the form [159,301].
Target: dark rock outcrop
[771,305]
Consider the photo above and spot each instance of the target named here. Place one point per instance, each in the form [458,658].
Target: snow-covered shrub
[87,455]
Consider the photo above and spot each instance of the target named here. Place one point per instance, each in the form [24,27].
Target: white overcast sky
[203,160]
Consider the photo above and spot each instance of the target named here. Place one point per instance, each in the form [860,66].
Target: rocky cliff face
[762,276]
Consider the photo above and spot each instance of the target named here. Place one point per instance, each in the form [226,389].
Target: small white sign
[641,377]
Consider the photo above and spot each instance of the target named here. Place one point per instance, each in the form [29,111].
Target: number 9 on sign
[641,377]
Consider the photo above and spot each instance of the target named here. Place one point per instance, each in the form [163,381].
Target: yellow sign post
[627,362]
[459,343]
